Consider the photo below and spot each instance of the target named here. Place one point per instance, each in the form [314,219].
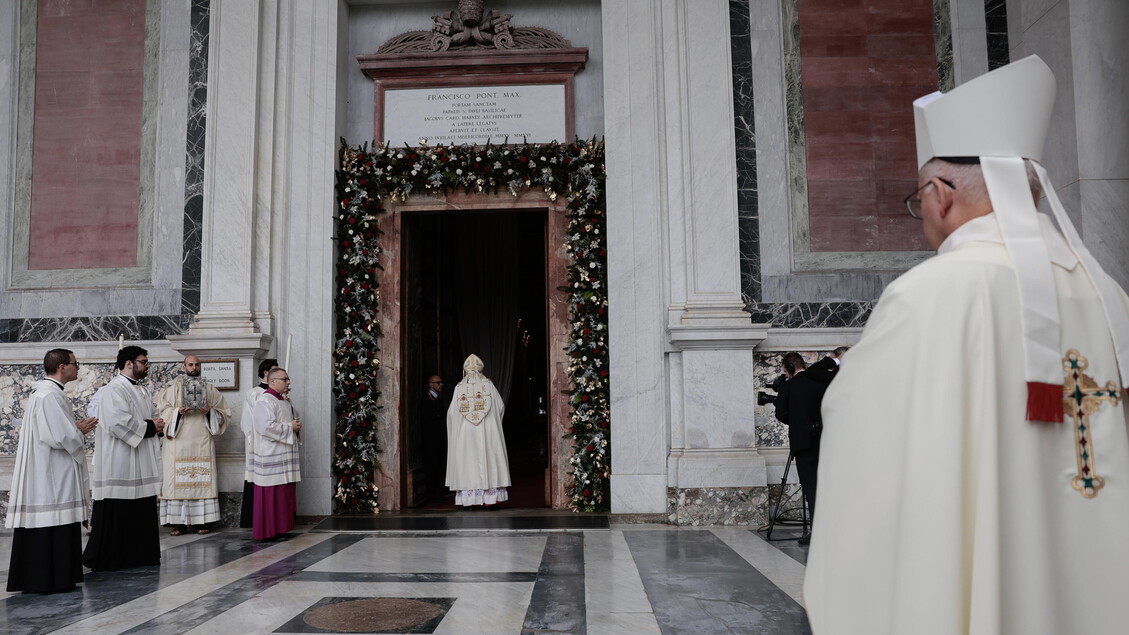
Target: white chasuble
[50,483]
[126,462]
[189,450]
[476,445]
[941,510]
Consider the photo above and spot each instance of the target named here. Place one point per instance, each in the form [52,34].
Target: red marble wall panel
[862,64]
[86,145]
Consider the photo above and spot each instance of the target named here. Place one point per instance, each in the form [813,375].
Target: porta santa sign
[475,115]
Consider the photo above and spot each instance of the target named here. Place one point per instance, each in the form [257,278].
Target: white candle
[289,343]
[121,341]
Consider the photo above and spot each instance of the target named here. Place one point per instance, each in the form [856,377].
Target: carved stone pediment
[468,29]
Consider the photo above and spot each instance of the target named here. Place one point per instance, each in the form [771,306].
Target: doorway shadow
[475,282]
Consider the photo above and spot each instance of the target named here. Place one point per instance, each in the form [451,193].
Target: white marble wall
[1087,156]
[153,289]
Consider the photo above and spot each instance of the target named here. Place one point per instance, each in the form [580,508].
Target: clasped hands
[86,425]
[297,425]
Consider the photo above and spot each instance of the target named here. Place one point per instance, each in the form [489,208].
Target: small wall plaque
[222,373]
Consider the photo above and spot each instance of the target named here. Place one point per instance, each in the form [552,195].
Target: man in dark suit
[433,417]
[798,406]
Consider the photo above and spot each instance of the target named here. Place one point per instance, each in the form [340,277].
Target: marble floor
[627,578]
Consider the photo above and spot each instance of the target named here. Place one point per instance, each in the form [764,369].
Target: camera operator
[825,369]
[798,407]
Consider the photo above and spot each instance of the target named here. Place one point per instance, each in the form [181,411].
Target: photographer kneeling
[798,407]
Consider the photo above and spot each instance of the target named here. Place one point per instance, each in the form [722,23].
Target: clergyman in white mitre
[478,470]
[975,448]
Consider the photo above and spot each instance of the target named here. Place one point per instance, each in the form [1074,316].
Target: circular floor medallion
[372,614]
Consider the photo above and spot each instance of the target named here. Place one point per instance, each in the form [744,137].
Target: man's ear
[945,196]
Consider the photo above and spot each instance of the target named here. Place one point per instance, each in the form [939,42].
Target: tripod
[787,516]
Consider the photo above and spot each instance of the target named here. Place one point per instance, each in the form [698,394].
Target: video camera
[766,398]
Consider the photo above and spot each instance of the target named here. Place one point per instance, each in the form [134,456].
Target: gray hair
[969,179]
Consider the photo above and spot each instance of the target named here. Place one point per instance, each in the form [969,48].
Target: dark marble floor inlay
[697,584]
[204,608]
[564,522]
[370,615]
[557,603]
[402,578]
[104,590]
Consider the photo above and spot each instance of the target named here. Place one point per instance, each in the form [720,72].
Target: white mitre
[1002,118]
[474,395]
[473,364]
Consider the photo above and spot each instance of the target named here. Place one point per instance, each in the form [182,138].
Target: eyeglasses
[914,204]
[141,361]
[281,379]
[75,364]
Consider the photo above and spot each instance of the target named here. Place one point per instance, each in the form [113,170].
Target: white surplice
[942,511]
[127,464]
[275,460]
[50,483]
[247,425]
[477,465]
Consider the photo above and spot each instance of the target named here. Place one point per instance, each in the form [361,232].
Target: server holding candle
[275,463]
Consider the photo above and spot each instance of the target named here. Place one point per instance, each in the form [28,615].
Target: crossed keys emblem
[1082,397]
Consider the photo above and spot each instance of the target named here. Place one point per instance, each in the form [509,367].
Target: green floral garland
[367,176]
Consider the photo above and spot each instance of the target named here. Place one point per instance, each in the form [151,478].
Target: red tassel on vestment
[1044,402]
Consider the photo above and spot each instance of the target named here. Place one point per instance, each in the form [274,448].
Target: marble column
[305,157]
[970,39]
[268,205]
[223,327]
[632,119]
[681,343]
[713,439]
[229,170]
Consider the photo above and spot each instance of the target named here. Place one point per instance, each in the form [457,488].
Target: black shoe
[805,539]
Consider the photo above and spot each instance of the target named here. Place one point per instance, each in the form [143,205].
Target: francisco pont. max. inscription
[533,113]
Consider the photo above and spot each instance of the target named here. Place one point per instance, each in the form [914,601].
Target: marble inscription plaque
[221,373]
[475,115]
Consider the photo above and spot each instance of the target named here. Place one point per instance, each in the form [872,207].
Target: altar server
[975,468]
[50,496]
[127,472]
[196,413]
[478,470]
[275,461]
[246,424]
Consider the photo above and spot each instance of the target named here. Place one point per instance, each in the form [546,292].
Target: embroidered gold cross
[1081,397]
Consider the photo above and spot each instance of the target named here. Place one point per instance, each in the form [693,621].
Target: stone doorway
[424,299]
